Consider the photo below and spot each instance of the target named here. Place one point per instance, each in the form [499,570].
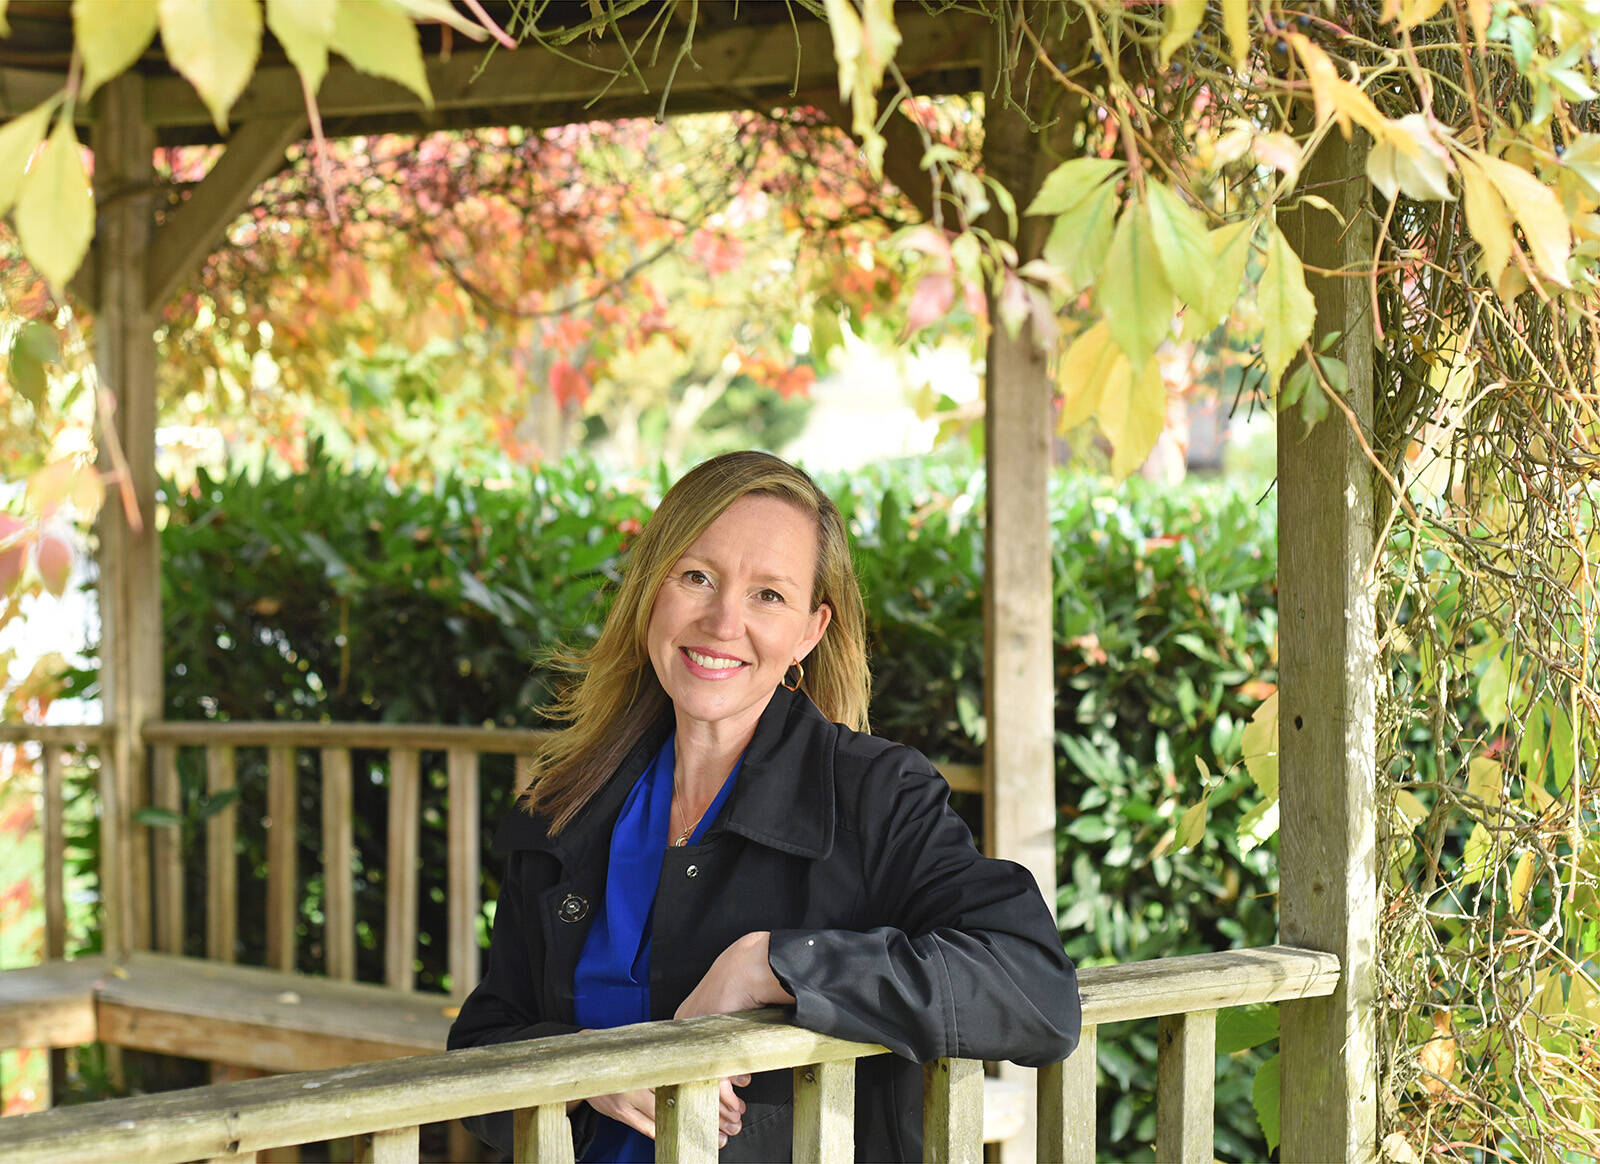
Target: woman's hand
[637,1109]
[740,979]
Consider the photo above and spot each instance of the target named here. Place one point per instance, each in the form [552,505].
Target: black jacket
[887,925]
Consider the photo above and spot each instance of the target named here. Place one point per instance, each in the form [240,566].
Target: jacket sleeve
[501,1008]
[965,961]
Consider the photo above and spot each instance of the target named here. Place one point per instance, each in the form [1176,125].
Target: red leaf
[796,381]
[568,384]
[54,560]
[930,301]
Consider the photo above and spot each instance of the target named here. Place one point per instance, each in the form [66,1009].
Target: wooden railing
[159,872]
[683,1062]
[52,743]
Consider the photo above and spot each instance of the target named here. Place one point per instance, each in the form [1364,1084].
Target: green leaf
[1070,183]
[1080,238]
[1192,825]
[1179,21]
[35,346]
[110,35]
[1260,745]
[1241,1027]
[214,43]
[19,137]
[377,38]
[1257,826]
[1493,687]
[1133,294]
[1475,857]
[55,212]
[1231,247]
[1287,309]
[218,801]
[160,818]
[305,30]
[1184,245]
[1264,1095]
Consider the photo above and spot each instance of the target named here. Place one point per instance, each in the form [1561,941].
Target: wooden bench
[263,1020]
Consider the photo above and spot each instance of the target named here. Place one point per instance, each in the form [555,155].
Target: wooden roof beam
[734,63]
[190,233]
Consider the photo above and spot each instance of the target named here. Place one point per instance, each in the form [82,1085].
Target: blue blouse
[611,984]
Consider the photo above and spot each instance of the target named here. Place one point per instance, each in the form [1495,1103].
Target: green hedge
[334,596]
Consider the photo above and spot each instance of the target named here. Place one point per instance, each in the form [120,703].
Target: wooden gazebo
[142,993]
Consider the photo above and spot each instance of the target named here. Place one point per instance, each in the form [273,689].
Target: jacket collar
[784,797]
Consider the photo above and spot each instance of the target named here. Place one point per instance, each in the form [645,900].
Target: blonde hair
[614,695]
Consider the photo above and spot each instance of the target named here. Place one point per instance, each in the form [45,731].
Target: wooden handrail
[536,1080]
[378,736]
[62,735]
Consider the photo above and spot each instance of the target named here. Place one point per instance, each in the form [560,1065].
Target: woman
[713,831]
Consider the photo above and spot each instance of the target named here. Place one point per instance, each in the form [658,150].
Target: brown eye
[770,597]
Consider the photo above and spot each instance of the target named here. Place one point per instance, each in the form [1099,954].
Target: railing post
[396,1146]
[282,853]
[222,865]
[542,1133]
[825,1112]
[1067,1109]
[1186,1077]
[167,849]
[338,851]
[952,1111]
[400,876]
[687,1120]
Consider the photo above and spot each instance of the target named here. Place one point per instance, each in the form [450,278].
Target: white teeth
[711,662]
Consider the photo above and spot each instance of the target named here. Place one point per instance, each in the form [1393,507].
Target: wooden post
[1186,1079]
[687,1122]
[1019,676]
[825,1112]
[1328,681]
[1067,1110]
[952,1111]
[130,581]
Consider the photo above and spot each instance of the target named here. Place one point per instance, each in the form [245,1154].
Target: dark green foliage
[338,597]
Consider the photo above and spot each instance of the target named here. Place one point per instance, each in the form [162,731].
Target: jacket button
[572,908]
[692,871]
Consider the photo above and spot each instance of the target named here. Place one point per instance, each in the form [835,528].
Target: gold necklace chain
[683,837]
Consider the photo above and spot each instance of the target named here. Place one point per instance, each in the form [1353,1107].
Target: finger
[740,1081]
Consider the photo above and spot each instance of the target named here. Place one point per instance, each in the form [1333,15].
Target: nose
[724,616]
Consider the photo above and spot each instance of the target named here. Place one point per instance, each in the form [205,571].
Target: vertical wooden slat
[396,1146]
[1067,1105]
[463,875]
[282,900]
[1186,1077]
[400,878]
[338,875]
[543,1134]
[139,843]
[55,855]
[1328,684]
[687,1122]
[825,1112]
[222,866]
[167,850]
[952,1111]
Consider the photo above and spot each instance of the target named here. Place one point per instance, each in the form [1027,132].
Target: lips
[710,665]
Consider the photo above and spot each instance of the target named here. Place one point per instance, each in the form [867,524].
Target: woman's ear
[823,615]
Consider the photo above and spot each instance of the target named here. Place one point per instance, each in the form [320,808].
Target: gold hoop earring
[800,676]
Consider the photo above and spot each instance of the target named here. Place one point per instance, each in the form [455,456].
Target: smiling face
[734,612]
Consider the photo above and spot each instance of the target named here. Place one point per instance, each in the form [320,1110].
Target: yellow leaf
[1479,12]
[1397,1151]
[1133,420]
[1192,825]
[5,29]
[377,37]
[1487,219]
[863,46]
[1521,882]
[55,211]
[1438,1055]
[1236,22]
[214,43]
[1230,249]
[1486,781]
[1133,294]
[1537,797]
[305,30]
[19,137]
[440,12]
[1335,97]
[1407,158]
[1538,211]
[110,35]
[1090,367]
[1410,808]
[1179,21]
[1184,245]
[1474,857]
[50,486]
[1414,12]
[1260,743]
[1287,308]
